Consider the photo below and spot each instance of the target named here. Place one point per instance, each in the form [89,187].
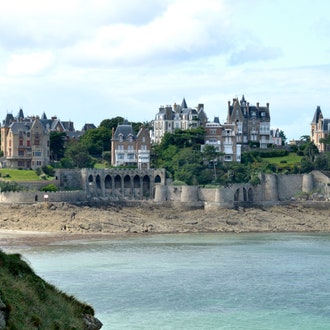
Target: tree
[311,151]
[111,123]
[282,135]
[211,155]
[57,145]
[79,155]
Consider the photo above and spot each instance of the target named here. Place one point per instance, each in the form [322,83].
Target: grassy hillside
[32,303]
[19,175]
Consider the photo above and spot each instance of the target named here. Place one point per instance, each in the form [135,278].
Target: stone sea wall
[132,186]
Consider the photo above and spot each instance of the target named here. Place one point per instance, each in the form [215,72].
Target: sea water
[195,281]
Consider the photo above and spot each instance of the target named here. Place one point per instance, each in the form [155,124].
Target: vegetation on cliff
[28,302]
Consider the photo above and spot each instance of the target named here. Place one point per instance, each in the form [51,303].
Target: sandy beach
[47,222]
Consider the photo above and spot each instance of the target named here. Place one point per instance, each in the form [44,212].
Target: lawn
[19,175]
[291,159]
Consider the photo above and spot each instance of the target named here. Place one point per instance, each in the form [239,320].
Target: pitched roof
[317,114]
[124,130]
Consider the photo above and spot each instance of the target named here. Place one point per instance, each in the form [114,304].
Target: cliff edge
[29,302]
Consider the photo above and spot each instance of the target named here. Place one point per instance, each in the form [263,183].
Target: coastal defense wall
[39,196]
[321,184]
[289,186]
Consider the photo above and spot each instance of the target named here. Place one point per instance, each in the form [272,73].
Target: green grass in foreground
[32,303]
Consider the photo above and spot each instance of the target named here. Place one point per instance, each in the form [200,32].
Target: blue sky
[89,60]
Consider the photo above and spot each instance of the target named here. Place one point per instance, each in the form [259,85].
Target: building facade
[223,138]
[130,149]
[24,142]
[320,129]
[182,117]
[252,121]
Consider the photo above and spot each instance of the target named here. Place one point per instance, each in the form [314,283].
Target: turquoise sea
[195,281]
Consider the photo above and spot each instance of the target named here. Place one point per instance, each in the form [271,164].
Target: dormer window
[263,114]
[121,137]
[130,138]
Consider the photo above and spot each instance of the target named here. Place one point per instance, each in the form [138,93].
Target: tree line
[180,154]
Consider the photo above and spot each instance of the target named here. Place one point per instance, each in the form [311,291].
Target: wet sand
[49,222]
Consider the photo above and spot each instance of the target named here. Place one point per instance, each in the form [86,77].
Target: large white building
[182,117]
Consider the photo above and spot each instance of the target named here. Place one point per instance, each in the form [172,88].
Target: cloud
[254,53]
[28,64]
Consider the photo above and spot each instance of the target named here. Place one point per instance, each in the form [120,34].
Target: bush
[49,187]
[48,170]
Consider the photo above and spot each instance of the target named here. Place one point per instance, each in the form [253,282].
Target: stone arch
[98,181]
[158,179]
[127,181]
[136,181]
[244,194]
[90,178]
[108,182]
[117,181]
[250,195]
[236,195]
[146,186]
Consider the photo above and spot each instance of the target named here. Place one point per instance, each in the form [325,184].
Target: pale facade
[320,129]
[223,138]
[182,117]
[252,121]
[25,144]
[130,149]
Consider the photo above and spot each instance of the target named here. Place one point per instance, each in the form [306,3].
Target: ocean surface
[195,281]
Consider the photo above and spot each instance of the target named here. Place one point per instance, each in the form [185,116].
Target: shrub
[48,170]
[49,187]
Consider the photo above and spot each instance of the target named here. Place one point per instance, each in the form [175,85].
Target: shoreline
[45,223]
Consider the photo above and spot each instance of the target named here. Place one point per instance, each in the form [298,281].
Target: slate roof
[125,130]
[317,115]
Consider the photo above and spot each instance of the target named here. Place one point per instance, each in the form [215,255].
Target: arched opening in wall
[137,181]
[127,185]
[117,181]
[250,195]
[98,184]
[236,195]
[137,187]
[127,181]
[158,179]
[146,186]
[244,195]
[108,183]
[90,178]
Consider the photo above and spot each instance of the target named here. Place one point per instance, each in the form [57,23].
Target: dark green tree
[282,135]
[57,142]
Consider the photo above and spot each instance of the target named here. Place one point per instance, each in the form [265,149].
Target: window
[120,156]
[130,147]
[21,153]
[120,147]
[130,156]
[38,153]
[36,139]
[28,143]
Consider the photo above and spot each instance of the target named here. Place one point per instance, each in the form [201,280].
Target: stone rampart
[141,186]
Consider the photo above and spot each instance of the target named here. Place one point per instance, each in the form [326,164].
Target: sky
[90,60]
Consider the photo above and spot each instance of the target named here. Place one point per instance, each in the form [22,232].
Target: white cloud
[28,64]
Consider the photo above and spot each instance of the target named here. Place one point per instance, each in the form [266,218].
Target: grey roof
[17,127]
[184,104]
[125,131]
[8,120]
[317,114]
[326,125]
